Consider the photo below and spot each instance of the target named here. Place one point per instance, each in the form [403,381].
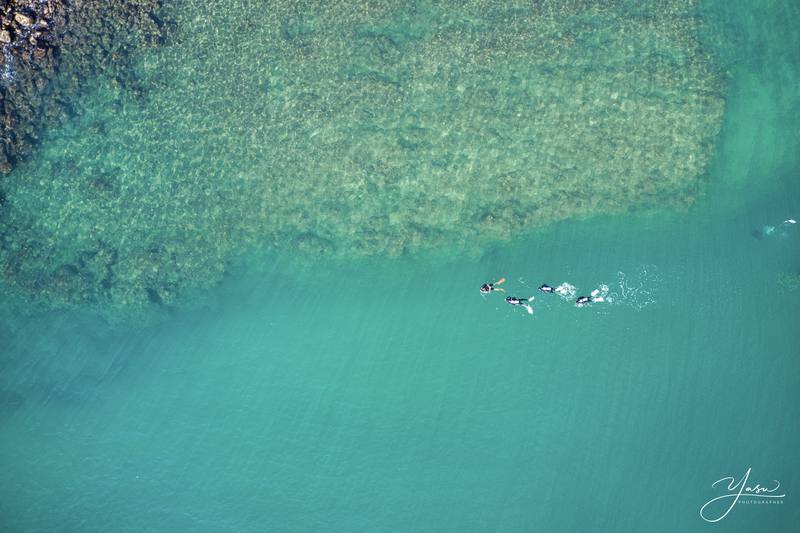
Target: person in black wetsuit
[546,288]
[522,302]
[486,288]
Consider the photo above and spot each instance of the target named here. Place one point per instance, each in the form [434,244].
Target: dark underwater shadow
[61,358]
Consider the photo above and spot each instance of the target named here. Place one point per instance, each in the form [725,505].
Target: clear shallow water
[332,128]
[388,395]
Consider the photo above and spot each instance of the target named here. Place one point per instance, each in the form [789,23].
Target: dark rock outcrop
[48,48]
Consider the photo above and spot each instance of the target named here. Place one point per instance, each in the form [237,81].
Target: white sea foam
[637,290]
[7,74]
[566,290]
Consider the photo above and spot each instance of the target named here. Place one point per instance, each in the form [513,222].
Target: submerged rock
[23,19]
[50,48]
[790,281]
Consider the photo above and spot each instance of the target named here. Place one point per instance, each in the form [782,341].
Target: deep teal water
[388,395]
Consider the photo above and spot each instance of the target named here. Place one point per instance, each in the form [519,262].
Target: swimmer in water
[486,288]
[522,302]
[766,231]
[546,288]
[582,300]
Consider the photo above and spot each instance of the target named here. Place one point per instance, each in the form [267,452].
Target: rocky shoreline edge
[51,47]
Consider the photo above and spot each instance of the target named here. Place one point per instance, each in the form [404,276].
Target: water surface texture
[265,317]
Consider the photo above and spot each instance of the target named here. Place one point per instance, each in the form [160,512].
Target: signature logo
[739,491]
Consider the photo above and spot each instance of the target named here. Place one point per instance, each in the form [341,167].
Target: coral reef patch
[358,128]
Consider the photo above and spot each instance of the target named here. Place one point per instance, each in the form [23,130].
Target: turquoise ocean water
[388,395]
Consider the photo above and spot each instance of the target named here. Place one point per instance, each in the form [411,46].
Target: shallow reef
[349,129]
